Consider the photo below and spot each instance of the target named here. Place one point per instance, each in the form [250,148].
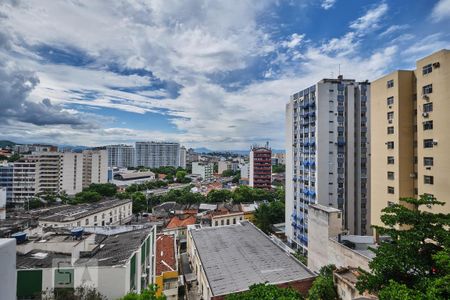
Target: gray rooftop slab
[235,257]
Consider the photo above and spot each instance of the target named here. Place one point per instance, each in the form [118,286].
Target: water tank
[77,232]
[20,237]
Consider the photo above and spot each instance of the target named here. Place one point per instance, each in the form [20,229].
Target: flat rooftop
[69,213]
[236,256]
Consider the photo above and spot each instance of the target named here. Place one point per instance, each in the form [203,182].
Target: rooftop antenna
[339,69]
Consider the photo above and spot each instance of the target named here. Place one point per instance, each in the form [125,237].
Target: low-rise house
[221,219]
[166,274]
[106,212]
[345,280]
[178,225]
[114,264]
[229,259]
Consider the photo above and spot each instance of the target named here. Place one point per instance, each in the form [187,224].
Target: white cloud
[371,19]
[294,40]
[393,28]
[441,10]
[327,4]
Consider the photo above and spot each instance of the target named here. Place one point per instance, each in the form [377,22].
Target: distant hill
[239,152]
[5,143]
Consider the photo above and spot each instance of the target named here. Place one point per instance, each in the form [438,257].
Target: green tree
[236,178]
[86,196]
[79,293]
[323,286]
[228,173]
[104,189]
[146,294]
[14,157]
[415,262]
[268,214]
[218,196]
[263,291]
[139,202]
[278,168]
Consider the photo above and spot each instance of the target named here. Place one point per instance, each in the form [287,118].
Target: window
[390,83]
[427,69]
[390,100]
[390,190]
[428,161]
[221,222]
[428,179]
[390,115]
[428,143]
[216,223]
[228,221]
[427,125]
[86,222]
[390,130]
[390,160]
[428,89]
[428,107]
[390,145]
[390,175]
[95,218]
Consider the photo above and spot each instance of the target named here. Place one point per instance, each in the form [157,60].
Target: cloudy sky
[205,73]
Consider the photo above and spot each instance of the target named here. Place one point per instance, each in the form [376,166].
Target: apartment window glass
[390,83]
[390,175]
[390,115]
[390,160]
[390,130]
[427,125]
[390,145]
[390,100]
[428,143]
[428,89]
[428,179]
[428,107]
[428,161]
[390,190]
[427,69]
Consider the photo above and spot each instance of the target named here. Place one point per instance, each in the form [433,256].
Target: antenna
[339,70]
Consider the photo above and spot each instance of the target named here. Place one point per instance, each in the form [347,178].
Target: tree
[323,286]
[146,294]
[268,214]
[104,189]
[218,196]
[278,168]
[79,293]
[229,173]
[14,157]
[263,291]
[415,262]
[86,196]
[139,202]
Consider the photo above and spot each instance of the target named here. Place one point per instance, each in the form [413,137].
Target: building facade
[95,167]
[183,157]
[410,146]
[157,154]
[121,156]
[204,170]
[327,154]
[260,172]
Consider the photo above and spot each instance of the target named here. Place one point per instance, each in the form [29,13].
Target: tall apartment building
[95,167]
[6,179]
[183,157]
[260,167]
[157,154]
[410,143]
[204,170]
[122,156]
[24,180]
[327,155]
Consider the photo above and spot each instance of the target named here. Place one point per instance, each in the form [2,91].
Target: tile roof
[165,254]
[177,222]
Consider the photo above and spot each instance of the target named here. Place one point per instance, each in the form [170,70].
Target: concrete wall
[8,275]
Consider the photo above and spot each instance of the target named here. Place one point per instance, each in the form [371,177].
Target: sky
[205,73]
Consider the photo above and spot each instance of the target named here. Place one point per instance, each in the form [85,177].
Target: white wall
[8,274]
[2,203]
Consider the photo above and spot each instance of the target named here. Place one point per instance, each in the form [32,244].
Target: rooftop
[177,222]
[236,256]
[68,213]
[165,254]
[134,175]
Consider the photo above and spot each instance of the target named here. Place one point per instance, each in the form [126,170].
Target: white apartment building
[183,157]
[327,159]
[223,165]
[95,167]
[245,170]
[24,180]
[157,154]
[204,170]
[121,156]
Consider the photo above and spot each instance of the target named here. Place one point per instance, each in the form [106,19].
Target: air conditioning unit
[390,106]
[435,142]
[425,114]
[436,65]
[425,97]
[390,121]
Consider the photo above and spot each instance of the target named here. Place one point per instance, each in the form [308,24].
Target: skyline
[95,74]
